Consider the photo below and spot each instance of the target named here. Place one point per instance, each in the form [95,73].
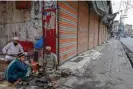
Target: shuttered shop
[91,29]
[101,33]
[104,33]
[96,30]
[67,29]
[83,27]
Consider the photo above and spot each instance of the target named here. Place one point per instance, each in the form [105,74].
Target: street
[111,71]
[66,44]
[128,42]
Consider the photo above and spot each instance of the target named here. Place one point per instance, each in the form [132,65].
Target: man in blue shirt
[16,70]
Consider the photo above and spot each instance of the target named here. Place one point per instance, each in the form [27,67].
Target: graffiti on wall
[49,16]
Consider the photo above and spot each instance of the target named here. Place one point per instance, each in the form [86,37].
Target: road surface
[128,42]
[111,71]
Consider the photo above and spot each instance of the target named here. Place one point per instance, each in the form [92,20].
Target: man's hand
[25,53]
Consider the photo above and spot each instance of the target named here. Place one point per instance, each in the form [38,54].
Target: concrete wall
[21,23]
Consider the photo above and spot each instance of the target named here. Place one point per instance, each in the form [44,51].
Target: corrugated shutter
[67,29]
[100,33]
[104,34]
[91,29]
[83,27]
[101,36]
[96,30]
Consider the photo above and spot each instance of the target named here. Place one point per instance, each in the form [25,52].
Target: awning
[108,18]
[102,9]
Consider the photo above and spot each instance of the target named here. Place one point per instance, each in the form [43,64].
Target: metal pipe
[89,25]
[58,34]
[43,24]
[77,28]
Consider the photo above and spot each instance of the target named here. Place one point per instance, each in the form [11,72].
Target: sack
[39,43]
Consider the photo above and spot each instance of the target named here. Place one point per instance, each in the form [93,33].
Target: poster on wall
[49,20]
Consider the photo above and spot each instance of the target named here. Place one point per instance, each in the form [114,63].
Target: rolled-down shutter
[96,30]
[67,29]
[100,33]
[104,33]
[83,27]
[91,29]
[101,36]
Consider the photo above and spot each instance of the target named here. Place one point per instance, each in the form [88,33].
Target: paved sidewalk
[111,71]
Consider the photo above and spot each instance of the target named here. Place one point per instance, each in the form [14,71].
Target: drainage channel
[128,53]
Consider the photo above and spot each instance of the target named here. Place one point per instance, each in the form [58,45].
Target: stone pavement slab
[110,71]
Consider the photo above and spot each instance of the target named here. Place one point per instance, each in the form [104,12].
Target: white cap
[48,47]
[15,38]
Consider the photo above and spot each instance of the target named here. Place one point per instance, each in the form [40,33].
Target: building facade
[115,28]
[128,29]
[22,19]
[69,27]
[80,27]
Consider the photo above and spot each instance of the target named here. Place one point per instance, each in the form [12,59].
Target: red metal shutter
[91,29]
[83,27]
[68,12]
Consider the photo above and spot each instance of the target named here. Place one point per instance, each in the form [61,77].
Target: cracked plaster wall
[21,23]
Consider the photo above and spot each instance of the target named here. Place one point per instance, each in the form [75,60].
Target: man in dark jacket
[16,70]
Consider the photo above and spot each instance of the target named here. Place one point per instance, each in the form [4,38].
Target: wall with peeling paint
[21,23]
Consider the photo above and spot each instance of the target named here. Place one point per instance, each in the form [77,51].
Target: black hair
[20,55]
